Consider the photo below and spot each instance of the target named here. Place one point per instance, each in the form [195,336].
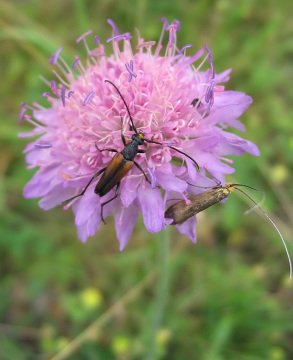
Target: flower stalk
[162,290]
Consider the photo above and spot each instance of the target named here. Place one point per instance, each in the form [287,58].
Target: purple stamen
[21,114]
[88,98]
[181,51]
[172,38]
[209,95]
[165,23]
[54,58]
[125,36]
[176,23]
[129,68]
[82,36]
[114,27]
[70,93]
[46,94]
[43,146]
[173,28]
[75,62]
[210,92]
[53,86]
[211,102]
[97,40]
[63,93]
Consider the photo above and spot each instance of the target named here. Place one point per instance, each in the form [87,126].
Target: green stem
[163,245]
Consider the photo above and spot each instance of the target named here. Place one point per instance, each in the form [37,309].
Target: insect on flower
[81,113]
[182,211]
[122,162]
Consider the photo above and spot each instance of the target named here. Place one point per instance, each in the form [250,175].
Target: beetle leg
[108,201]
[106,149]
[109,149]
[141,169]
[86,187]
[141,151]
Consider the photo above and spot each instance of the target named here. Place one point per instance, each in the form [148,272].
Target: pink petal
[128,191]
[87,211]
[188,228]
[169,182]
[56,196]
[152,208]
[125,219]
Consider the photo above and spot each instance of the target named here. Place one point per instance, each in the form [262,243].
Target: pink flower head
[174,99]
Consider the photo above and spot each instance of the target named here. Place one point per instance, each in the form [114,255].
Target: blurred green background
[228,297]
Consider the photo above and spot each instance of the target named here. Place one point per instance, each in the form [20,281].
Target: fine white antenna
[265,214]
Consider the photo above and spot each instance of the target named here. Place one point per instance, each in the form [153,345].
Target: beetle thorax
[131,149]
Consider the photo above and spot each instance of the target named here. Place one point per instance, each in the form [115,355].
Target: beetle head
[139,138]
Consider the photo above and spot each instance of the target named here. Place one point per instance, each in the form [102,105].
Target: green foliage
[226,297]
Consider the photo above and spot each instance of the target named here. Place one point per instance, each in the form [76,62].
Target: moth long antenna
[247,186]
[257,206]
[276,228]
[127,108]
[283,241]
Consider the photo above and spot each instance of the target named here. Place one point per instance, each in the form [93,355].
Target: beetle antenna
[174,148]
[265,214]
[127,108]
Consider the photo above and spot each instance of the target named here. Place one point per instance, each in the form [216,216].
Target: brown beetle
[122,162]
